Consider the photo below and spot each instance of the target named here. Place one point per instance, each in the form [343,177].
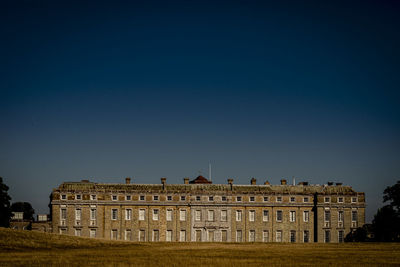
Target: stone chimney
[186,180]
[164,182]
[127,180]
[266,183]
[330,183]
[283,182]
[230,182]
[339,183]
[253,181]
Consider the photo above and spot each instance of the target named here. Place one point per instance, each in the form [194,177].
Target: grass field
[25,248]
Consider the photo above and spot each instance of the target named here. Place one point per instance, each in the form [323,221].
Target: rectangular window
[292,216]
[63,231]
[78,232]
[327,216]
[169,198]
[279,215]
[128,214]
[63,214]
[327,236]
[224,235]
[266,199]
[265,236]
[211,235]
[141,214]
[155,198]
[278,199]
[252,199]
[141,198]
[169,215]
[210,198]
[142,235]
[252,236]
[354,216]
[78,197]
[340,200]
[156,235]
[306,236]
[114,214]
[306,199]
[197,215]
[114,197]
[128,235]
[306,216]
[224,215]
[265,215]
[155,215]
[168,236]
[210,215]
[239,236]
[327,199]
[278,236]
[354,200]
[78,214]
[340,216]
[238,199]
[182,236]
[114,234]
[198,235]
[64,197]
[292,236]
[93,214]
[183,198]
[93,197]
[92,233]
[128,198]
[198,198]
[223,198]
[292,199]
[182,215]
[238,215]
[340,236]
[252,215]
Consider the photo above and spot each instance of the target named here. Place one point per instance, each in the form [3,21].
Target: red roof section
[200,180]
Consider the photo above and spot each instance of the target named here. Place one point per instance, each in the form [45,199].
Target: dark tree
[392,194]
[358,235]
[24,207]
[5,210]
[386,224]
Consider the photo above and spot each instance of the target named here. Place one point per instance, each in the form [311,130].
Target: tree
[24,207]
[392,194]
[358,235]
[5,210]
[386,224]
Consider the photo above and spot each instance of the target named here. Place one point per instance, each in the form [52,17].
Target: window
[114,197]
[128,234]
[78,232]
[340,200]
[155,215]
[197,235]
[353,215]
[155,198]
[279,215]
[265,236]
[63,231]
[142,235]
[182,215]
[128,198]
[64,197]
[63,214]
[210,198]
[128,214]
[327,236]
[340,216]
[278,199]
[224,235]
[292,216]
[278,236]
[340,236]
[327,216]
[211,235]
[252,236]
[183,198]
[198,198]
[327,199]
[252,215]
[197,215]
[306,236]
[238,199]
[306,199]
[169,198]
[224,215]
[93,214]
[169,215]
[93,197]
[210,215]
[156,235]
[223,198]
[239,236]
[168,236]
[92,233]
[306,216]
[252,199]
[114,214]
[292,199]
[182,236]
[353,199]
[292,236]
[265,215]
[78,214]
[114,234]
[266,199]
[141,214]
[238,215]
[141,198]
[78,197]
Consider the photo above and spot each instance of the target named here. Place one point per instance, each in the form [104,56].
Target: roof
[200,180]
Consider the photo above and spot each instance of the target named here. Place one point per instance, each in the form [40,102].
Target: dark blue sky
[106,90]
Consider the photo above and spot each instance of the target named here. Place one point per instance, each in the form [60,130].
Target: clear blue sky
[107,90]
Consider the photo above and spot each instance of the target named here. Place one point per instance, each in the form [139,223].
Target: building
[201,211]
[42,224]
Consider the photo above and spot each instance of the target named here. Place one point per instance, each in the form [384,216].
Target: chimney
[339,183]
[253,181]
[163,181]
[266,183]
[127,180]
[283,182]
[230,182]
[186,180]
[330,183]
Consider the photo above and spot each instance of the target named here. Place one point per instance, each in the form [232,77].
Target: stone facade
[205,212]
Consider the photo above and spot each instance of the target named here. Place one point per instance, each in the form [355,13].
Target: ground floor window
[239,236]
[252,236]
[114,234]
[128,234]
[327,236]
[292,236]
[278,236]
[78,232]
[156,235]
[340,236]
[142,235]
[182,236]
[306,236]
[92,233]
[169,236]
[224,235]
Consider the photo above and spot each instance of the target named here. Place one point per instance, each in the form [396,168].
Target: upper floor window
[183,198]
[78,214]
[114,197]
[155,198]
[252,199]
[278,199]
[327,216]
[210,215]
[265,215]
[141,198]
[155,215]
[78,197]
[252,215]
[266,199]
[141,214]
[223,198]
[292,216]
[238,199]
[353,199]
[198,198]
[224,215]
[340,200]
[354,215]
[128,214]
[292,199]
[306,199]
[210,198]
[169,215]
[182,215]
[63,197]
[340,216]
[93,197]
[197,215]
[114,214]
[93,214]
[306,216]
[279,215]
[238,215]
[327,199]
[128,197]
[169,198]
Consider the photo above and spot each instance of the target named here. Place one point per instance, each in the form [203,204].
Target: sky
[104,90]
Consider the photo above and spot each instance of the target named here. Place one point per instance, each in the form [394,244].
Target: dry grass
[24,248]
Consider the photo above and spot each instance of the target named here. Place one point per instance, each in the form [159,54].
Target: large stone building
[201,211]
